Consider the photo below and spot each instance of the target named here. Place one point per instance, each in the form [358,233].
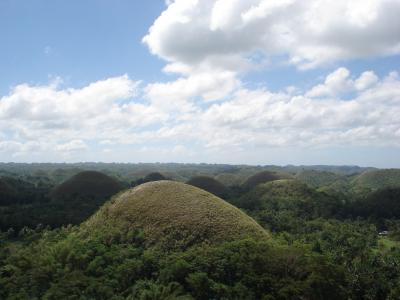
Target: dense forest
[198,231]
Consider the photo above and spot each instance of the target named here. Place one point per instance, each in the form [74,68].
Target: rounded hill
[87,184]
[263,177]
[173,215]
[377,179]
[209,184]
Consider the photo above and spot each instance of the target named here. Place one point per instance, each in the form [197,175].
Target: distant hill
[209,184]
[289,195]
[87,184]
[173,215]
[153,176]
[319,178]
[263,177]
[340,170]
[377,179]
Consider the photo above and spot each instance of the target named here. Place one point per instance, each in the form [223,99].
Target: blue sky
[214,81]
[80,41]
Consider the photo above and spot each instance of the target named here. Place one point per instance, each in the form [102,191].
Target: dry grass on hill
[173,215]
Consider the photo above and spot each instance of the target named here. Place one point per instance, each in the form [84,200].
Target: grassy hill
[263,177]
[209,184]
[87,184]
[377,179]
[173,215]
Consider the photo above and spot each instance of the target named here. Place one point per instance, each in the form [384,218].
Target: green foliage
[15,191]
[286,199]
[8,195]
[379,205]
[61,264]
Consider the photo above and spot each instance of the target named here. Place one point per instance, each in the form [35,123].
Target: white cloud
[366,80]
[72,146]
[9,146]
[279,119]
[339,82]
[335,83]
[53,117]
[207,86]
[260,118]
[50,103]
[206,34]
[48,119]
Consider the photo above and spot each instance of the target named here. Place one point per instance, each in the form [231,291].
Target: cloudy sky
[217,81]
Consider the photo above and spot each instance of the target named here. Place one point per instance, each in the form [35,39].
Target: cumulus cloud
[209,44]
[179,95]
[222,34]
[62,119]
[366,80]
[50,119]
[74,145]
[279,119]
[9,146]
[339,82]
